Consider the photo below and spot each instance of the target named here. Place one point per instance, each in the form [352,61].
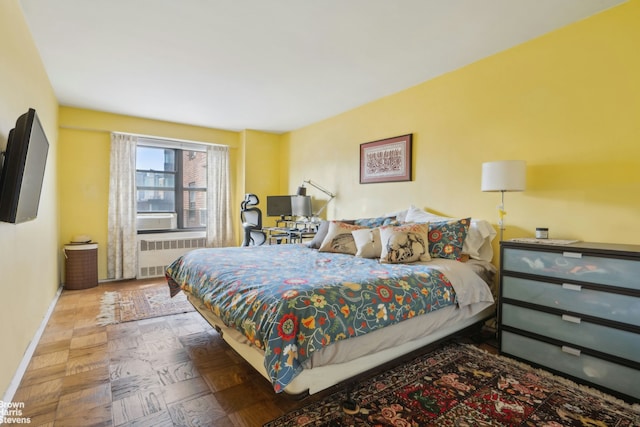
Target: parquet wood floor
[166,371]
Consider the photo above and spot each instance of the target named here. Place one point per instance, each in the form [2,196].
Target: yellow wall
[28,259]
[266,168]
[568,103]
[84,167]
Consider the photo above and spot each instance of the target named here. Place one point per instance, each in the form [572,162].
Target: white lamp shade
[505,175]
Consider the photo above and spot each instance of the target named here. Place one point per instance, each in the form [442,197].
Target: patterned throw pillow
[447,237]
[377,222]
[405,243]
[339,238]
[367,242]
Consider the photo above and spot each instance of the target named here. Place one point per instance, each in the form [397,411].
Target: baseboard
[28,354]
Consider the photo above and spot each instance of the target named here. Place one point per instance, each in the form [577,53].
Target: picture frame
[386,160]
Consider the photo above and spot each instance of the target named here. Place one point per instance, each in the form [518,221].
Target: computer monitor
[279,206]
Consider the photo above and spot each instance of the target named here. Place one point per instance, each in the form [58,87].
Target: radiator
[156,253]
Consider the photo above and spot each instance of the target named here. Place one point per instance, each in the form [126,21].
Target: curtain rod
[140,135]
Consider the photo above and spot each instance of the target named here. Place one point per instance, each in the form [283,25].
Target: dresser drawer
[574,266]
[601,372]
[612,341]
[611,306]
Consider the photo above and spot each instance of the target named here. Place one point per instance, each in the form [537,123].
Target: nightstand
[575,310]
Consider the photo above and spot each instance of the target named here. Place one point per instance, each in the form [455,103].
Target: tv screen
[279,206]
[23,168]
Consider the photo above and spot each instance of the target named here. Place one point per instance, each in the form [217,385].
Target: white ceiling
[272,65]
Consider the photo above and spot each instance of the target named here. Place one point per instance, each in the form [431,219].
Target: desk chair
[251,218]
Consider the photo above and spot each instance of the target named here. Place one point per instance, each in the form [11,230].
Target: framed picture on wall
[386,160]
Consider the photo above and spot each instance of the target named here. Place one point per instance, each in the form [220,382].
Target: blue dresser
[574,310]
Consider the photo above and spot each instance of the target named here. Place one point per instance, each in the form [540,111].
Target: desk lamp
[504,175]
[302,191]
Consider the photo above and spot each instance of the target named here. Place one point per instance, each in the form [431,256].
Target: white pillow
[478,241]
[399,215]
[405,243]
[418,215]
[368,243]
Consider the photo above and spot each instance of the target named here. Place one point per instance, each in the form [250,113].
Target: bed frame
[313,380]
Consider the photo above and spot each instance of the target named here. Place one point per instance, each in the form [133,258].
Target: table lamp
[502,176]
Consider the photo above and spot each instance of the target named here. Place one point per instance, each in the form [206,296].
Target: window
[171,183]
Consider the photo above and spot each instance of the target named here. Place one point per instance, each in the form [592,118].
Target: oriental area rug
[137,304]
[461,385]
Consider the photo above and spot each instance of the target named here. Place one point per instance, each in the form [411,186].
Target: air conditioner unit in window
[157,221]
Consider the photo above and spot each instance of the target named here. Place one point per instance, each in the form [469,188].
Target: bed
[308,318]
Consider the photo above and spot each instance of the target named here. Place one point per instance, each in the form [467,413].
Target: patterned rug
[461,385]
[137,304]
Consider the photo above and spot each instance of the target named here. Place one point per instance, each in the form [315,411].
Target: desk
[299,235]
[277,235]
[292,232]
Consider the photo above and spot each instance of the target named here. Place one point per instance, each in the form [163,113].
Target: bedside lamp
[302,191]
[504,175]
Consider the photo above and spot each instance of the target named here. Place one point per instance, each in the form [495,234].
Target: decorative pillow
[321,233]
[367,242]
[339,238]
[377,222]
[479,236]
[446,238]
[405,243]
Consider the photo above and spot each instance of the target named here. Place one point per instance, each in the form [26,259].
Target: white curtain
[122,258]
[219,221]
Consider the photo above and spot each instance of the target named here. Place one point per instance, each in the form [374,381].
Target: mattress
[332,297]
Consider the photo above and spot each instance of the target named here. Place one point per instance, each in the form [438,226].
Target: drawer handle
[572,254]
[571,351]
[571,287]
[571,319]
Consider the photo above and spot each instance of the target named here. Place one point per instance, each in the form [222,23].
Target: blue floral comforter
[291,301]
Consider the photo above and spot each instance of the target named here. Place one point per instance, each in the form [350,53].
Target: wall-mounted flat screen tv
[23,169]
